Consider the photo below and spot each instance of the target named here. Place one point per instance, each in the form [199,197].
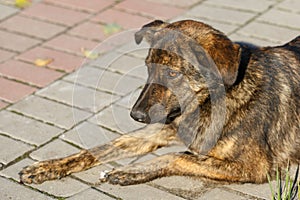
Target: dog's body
[239,120]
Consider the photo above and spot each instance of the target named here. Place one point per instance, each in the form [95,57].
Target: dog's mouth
[173,115]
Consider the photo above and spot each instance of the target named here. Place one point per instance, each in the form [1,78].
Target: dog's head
[186,60]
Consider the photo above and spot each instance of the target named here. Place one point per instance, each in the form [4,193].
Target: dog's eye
[172,73]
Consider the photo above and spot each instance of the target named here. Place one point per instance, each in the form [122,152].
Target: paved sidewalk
[54,101]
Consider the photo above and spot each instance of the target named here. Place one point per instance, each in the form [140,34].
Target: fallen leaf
[43,62]
[111,28]
[90,54]
[22,3]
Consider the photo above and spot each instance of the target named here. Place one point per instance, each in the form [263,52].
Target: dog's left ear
[148,31]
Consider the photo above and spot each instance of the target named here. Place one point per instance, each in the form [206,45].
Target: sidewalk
[57,96]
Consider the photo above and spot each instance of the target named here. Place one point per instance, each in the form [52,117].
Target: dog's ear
[148,31]
[229,67]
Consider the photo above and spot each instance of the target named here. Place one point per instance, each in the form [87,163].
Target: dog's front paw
[126,177]
[40,172]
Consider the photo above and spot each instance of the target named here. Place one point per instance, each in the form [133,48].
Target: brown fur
[240,120]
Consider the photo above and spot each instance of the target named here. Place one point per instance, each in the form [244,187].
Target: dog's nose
[138,115]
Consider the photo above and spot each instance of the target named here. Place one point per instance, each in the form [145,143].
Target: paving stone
[171,149]
[220,14]
[138,51]
[61,61]
[260,191]
[130,99]
[89,6]
[26,129]
[281,18]
[13,170]
[55,149]
[65,187]
[125,20]
[71,44]
[31,27]
[128,65]
[12,91]
[78,96]
[16,42]
[223,27]
[179,3]
[251,40]
[179,182]
[55,14]
[291,5]
[50,111]
[268,32]
[11,190]
[157,10]
[28,73]
[217,194]
[6,11]
[8,154]
[3,104]
[88,135]
[5,55]
[137,192]
[90,31]
[116,118]
[248,5]
[90,194]
[105,80]
[92,175]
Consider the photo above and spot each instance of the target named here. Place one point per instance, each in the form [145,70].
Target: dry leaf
[111,28]
[43,62]
[22,3]
[90,54]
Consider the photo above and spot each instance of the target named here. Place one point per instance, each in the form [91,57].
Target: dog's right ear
[148,31]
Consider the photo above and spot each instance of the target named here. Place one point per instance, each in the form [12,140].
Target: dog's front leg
[186,164]
[137,143]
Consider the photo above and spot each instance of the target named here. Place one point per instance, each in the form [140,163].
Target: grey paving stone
[171,149]
[179,182]
[26,129]
[13,170]
[6,11]
[50,111]
[13,191]
[53,150]
[64,187]
[136,50]
[78,96]
[88,135]
[260,191]
[291,5]
[90,194]
[269,32]
[223,27]
[248,5]
[92,175]
[116,118]
[217,194]
[255,41]
[137,192]
[129,100]
[129,65]
[281,18]
[105,80]
[220,14]
[7,153]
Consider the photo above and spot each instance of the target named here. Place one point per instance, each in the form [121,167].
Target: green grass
[287,189]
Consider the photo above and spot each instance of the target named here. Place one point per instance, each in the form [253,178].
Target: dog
[236,107]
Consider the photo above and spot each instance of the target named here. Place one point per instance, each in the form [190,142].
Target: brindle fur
[262,115]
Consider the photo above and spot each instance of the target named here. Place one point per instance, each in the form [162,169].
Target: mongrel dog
[239,118]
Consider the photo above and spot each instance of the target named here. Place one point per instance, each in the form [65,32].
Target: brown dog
[236,107]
